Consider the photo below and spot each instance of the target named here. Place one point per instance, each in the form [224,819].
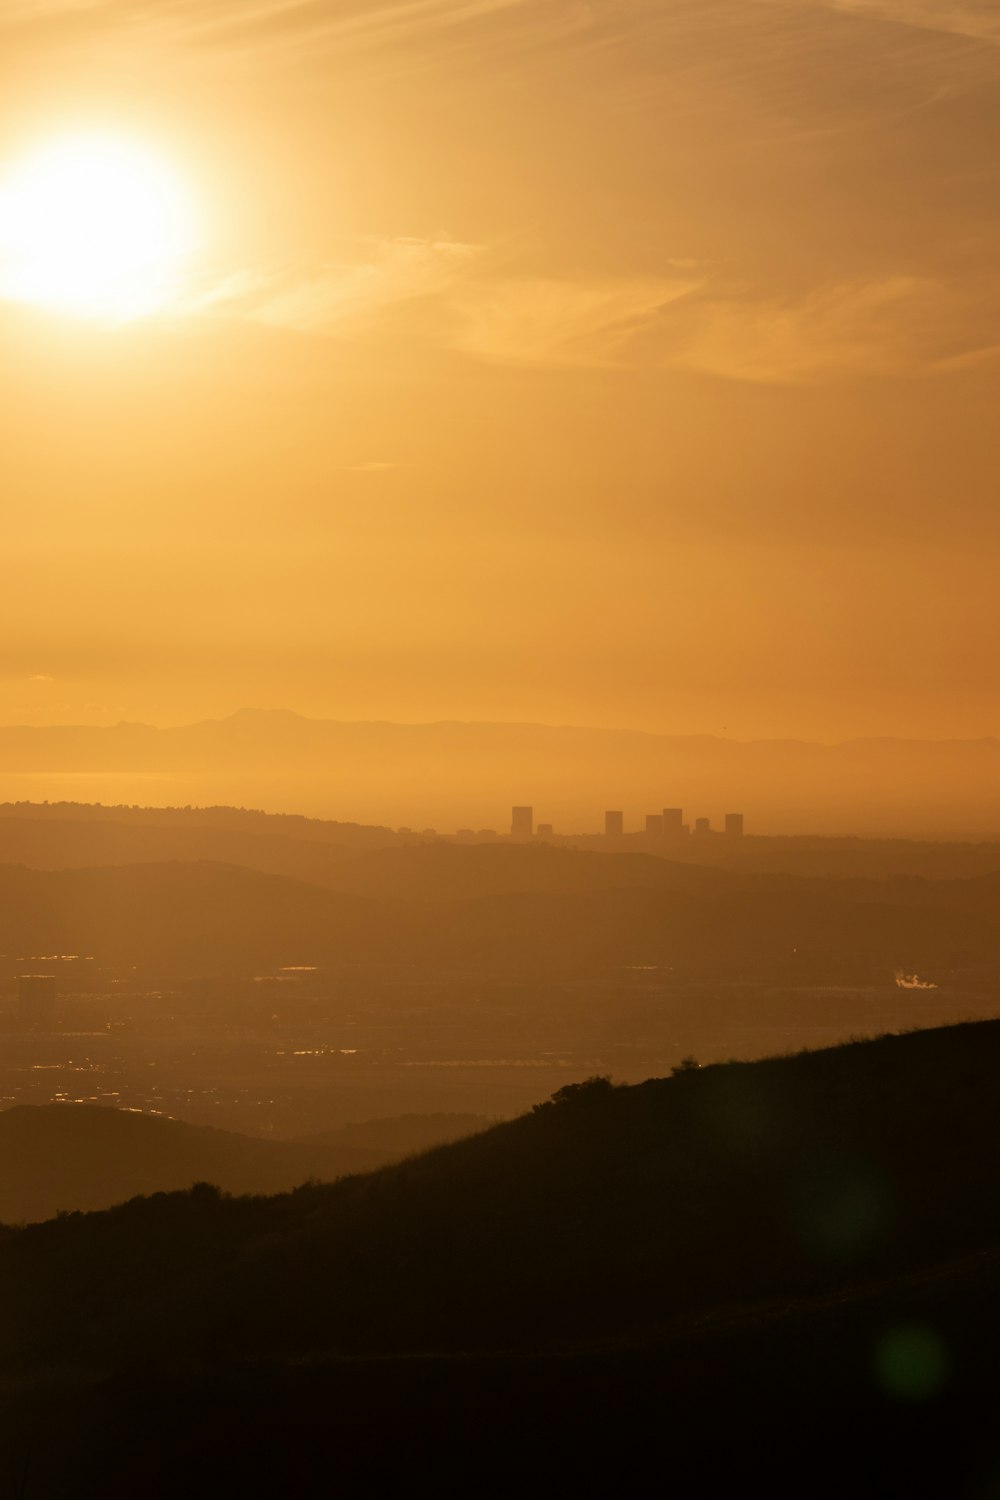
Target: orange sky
[625,364]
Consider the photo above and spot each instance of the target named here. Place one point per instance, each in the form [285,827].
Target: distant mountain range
[469,774]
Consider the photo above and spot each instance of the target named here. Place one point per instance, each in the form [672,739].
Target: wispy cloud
[441,293]
[972,18]
[869,327]
[268,23]
[342,296]
[562,322]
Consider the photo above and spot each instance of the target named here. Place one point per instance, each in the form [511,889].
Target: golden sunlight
[94,225]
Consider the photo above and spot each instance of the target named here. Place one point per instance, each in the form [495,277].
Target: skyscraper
[702,826]
[614,825]
[522,822]
[734,825]
[673,822]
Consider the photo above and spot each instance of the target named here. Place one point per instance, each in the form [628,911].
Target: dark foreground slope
[747,1268]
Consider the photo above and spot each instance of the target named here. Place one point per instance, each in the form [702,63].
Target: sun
[94,225]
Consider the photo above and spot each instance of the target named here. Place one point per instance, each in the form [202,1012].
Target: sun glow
[94,225]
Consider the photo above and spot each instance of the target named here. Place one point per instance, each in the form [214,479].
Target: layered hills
[532,908]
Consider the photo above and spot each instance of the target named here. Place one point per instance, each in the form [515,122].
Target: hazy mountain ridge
[73,1157]
[452,773]
[79,1157]
[205,916]
[82,842]
[183,914]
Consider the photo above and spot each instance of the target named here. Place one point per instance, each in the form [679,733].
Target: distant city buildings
[667,826]
[673,822]
[522,822]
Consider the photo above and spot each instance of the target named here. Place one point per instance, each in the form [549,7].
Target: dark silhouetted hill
[785,1269]
[611,1213]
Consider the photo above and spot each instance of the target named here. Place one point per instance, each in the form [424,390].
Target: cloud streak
[342,297]
[850,329]
[563,323]
[444,293]
[270,24]
[972,18]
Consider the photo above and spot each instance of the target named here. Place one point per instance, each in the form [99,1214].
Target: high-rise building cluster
[667,824]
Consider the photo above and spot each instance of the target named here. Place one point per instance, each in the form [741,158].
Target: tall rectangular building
[673,822]
[522,822]
[702,826]
[734,825]
[614,825]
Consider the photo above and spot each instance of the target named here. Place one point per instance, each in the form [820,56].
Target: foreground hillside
[802,1251]
[612,1212]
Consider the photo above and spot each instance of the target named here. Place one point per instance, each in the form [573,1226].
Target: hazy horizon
[451,774]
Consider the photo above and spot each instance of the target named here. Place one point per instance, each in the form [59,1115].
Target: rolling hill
[76,1157]
[785,1269]
[79,1157]
[572,911]
[647,1206]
